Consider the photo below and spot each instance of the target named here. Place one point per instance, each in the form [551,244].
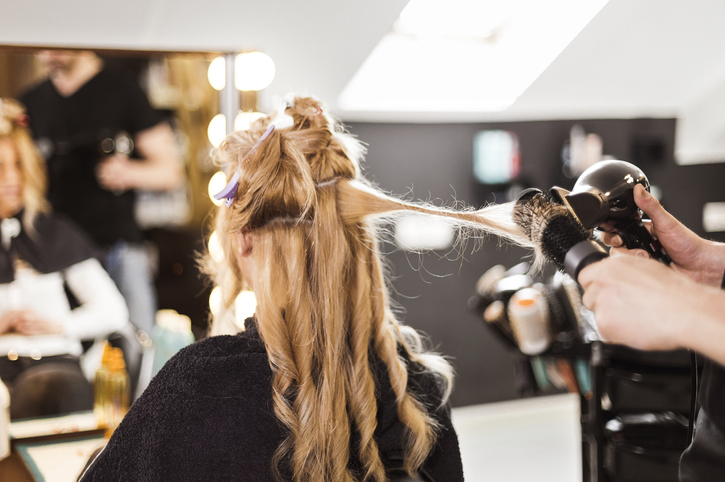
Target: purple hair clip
[281,121]
[261,139]
[230,190]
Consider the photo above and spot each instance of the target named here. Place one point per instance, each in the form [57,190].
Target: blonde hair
[13,126]
[322,299]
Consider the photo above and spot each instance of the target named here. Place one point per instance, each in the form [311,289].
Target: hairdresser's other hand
[7,322]
[640,302]
[700,259]
[113,173]
[27,322]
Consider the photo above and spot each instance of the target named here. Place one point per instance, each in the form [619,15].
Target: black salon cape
[208,416]
[56,244]
[704,459]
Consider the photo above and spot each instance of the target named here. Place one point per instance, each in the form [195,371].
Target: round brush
[556,234]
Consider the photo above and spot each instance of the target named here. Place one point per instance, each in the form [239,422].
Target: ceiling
[636,58]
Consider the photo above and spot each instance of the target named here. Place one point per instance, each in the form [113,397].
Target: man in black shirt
[644,304]
[102,140]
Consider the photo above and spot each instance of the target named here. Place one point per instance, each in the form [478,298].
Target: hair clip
[266,134]
[281,121]
[230,191]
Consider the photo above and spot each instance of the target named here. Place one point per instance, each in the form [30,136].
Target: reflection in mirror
[176,85]
[179,91]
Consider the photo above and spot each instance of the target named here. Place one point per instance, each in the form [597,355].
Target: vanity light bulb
[244,306]
[217,182]
[244,120]
[217,130]
[216,73]
[215,301]
[253,71]
[215,247]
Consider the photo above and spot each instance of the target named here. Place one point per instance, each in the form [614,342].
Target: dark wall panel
[434,162]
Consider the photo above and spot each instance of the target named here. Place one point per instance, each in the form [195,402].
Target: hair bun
[307,106]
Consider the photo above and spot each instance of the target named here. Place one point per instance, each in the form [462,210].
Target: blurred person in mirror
[42,254]
[644,304]
[324,383]
[102,140]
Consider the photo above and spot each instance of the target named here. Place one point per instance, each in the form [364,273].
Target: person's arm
[103,309]
[159,169]
[644,304]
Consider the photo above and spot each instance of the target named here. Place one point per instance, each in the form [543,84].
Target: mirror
[176,86]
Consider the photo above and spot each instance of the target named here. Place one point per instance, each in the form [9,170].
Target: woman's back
[209,415]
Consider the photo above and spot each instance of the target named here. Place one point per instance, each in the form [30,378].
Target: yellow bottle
[117,391]
[99,386]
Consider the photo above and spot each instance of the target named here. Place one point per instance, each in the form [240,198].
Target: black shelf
[628,384]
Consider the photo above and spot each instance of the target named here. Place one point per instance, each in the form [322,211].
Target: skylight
[464,56]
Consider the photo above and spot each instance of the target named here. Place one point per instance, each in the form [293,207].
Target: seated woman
[324,384]
[42,253]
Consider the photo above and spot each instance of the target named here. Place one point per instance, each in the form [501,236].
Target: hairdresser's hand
[701,260]
[113,173]
[27,322]
[7,322]
[643,304]
[640,302]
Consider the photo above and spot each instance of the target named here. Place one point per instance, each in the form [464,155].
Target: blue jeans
[129,265]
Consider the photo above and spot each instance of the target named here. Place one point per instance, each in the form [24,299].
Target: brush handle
[582,255]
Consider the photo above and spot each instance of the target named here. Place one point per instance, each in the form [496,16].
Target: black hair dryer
[603,197]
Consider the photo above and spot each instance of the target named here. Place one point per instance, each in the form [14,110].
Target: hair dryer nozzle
[603,197]
[589,207]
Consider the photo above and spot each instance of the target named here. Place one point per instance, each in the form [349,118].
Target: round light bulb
[244,120]
[217,130]
[253,71]
[215,247]
[217,73]
[244,306]
[217,182]
[215,301]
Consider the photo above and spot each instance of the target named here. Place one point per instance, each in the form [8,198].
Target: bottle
[117,393]
[99,386]
[171,333]
[528,312]
[4,421]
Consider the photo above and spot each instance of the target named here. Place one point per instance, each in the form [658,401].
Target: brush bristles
[549,225]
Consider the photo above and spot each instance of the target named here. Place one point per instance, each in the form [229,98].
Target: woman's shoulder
[221,351]
[225,365]
[222,346]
